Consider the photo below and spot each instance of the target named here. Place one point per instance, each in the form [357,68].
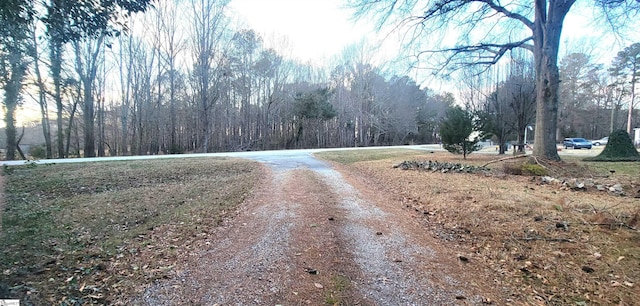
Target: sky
[316,29]
[320,29]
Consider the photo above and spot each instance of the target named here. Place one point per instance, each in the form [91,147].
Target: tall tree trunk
[88,120]
[42,97]
[72,115]
[11,99]
[101,122]
[55,29]
[125,85]
[88,78]
[55,54]
[12,87]
[173,146]
[546,32]
[632,102]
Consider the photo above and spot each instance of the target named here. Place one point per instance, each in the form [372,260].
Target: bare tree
[42,92]
[87,64]
[69,21]
[73,89]
[171,44]
[626,69]
[125,60]
[535,27]
[208,27]
[14,48]
[510,106]
[12,71]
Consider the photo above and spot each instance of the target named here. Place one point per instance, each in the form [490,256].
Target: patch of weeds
[7,170]
[533,169]
[339,286]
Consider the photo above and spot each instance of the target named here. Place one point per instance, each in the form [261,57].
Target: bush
[512,168]
[176,149]
[455,131]
[533,169]
[619,148]
[38,152]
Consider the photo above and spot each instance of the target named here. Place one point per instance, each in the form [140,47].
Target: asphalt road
[275,157]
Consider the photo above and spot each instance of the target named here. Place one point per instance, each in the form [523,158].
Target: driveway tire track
[311,236]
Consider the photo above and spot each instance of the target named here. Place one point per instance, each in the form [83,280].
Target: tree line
[129,77]
[594,99]
[154,84]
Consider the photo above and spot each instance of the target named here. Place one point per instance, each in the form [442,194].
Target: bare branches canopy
[460,33]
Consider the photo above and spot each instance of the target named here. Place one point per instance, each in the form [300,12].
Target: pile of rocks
[444,167]
[583,185]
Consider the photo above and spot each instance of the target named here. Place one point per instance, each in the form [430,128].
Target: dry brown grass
[96,233]
[543,244]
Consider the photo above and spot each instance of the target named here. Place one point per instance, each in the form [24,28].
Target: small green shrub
[619,148]
[38,152]
[533,169]
[175,149]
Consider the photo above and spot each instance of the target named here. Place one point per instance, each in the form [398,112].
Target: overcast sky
[317,29]
[320,29]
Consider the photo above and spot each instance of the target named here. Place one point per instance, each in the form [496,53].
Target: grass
[351,156]
[109,227]
[335,295]
[543,244]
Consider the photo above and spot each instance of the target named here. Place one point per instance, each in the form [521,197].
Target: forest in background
[186,78]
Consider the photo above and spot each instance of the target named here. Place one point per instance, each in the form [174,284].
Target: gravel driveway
[313,236]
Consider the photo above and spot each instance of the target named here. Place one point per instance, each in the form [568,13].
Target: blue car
[577,143]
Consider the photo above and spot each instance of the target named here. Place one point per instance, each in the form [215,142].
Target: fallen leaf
[628,284]
[318,285]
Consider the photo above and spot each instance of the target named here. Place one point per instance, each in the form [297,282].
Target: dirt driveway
[312,235]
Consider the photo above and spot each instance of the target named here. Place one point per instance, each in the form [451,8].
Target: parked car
[577,143]
[601,142]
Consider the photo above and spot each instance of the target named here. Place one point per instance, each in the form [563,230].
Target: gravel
[250,259]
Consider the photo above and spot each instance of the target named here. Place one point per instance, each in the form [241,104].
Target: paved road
[273,157]
[287,158]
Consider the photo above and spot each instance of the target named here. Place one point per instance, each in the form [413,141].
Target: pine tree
[456,130]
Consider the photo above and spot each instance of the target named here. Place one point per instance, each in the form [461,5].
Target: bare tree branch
[501,9]
[496,51]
